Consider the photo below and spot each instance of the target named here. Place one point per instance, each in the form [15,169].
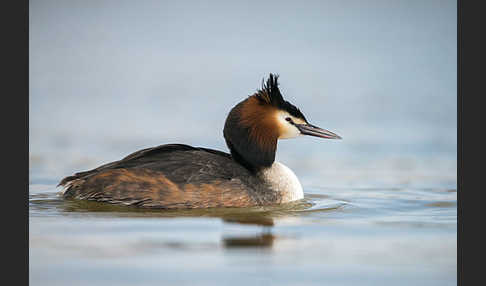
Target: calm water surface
[334,236]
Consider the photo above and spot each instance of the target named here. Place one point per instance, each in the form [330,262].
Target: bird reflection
[250,219]
[265,220]
[264,240]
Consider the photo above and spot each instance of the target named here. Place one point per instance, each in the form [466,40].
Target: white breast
[284,181]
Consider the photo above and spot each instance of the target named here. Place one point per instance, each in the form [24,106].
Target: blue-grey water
[107,78]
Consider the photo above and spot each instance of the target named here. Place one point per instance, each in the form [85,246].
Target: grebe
[175,176]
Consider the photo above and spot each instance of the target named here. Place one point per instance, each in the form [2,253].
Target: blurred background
[108,78]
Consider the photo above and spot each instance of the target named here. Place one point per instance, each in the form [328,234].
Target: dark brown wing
[163,154]
[169,176]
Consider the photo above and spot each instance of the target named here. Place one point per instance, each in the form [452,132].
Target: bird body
[175,176]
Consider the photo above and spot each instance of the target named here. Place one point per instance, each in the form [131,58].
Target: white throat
[283,181]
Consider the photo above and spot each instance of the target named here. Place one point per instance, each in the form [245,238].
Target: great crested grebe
[176,176]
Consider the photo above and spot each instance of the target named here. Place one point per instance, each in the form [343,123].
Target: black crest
[270,94]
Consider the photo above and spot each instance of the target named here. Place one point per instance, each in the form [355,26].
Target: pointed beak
[309,129]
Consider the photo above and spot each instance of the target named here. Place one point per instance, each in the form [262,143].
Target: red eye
[288,119]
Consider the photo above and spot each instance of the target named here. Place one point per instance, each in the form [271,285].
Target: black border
[15,144]
[470,159]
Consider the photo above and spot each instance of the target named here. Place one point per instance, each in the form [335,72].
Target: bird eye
[288,119]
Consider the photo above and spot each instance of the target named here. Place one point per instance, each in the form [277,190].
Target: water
[107,78]
[333,236]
